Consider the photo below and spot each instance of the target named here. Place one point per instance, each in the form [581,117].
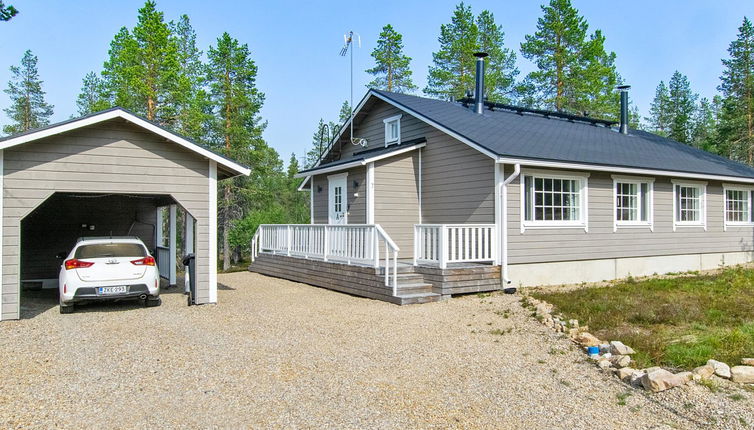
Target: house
[475,196]
[109,173]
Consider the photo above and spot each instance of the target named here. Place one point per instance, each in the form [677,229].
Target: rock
[704,372]
[742,374]
[747,361]
[587,339]
[617,347]
[686,376]
[620,360]
[624,373]
[661,380]
[635,378]
[721,369]
[573,323]
[572,332]
[604,364]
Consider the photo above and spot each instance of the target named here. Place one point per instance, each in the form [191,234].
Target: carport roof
[117,112]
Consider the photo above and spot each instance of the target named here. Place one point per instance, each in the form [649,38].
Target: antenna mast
[348,39]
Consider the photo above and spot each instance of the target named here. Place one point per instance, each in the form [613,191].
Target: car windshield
[104,250]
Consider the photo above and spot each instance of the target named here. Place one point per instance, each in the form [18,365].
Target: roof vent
[479,90]
[624,108]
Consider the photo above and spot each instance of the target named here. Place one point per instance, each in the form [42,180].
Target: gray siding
[549,245]
[111,157]
[357,206]
[396,198]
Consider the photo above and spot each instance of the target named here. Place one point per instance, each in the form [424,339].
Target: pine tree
[703,134]
[574,71]
[736,128]
[682,107]
[191,100]
[7,12]
[28,108]
[320,140]
[659,111]
[452,74]
[392,69]
[93,96]
[237,129]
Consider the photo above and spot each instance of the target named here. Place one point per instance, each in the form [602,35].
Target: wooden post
[173,245]
[443,249]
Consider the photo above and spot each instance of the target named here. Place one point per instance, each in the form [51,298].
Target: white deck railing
[443,244]
[351,244]
[163,261]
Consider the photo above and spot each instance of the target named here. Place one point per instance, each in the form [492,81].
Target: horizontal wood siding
[559,244]
[109,157]
[357,205]
[396,198]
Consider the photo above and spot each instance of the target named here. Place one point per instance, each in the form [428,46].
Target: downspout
[503,194]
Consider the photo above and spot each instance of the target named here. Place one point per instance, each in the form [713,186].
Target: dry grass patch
[678,322]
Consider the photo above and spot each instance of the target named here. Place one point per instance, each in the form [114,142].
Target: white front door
[337,199]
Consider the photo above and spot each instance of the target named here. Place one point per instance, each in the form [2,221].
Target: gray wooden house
[109,173]
[431,198]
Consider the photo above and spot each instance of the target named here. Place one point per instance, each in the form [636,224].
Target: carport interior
[54,226]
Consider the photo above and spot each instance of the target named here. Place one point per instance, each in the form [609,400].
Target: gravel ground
[277,354]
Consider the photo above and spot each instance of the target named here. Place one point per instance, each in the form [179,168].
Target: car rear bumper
[86,294]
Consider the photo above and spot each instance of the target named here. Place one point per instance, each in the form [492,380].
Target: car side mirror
[61,255]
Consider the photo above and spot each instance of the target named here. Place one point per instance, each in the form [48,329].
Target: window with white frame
[738,206]
[554,200]
[633,201]
[689,204]
[392,130]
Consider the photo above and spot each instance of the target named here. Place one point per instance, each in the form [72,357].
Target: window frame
[702,186]
[749,190]
[388,122]
[582,179]
[638,181]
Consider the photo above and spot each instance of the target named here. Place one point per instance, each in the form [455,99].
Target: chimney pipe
[624,108]
[479,91]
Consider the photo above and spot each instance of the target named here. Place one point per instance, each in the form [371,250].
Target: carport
[110,173]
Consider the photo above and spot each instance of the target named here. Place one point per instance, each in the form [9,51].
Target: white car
[116,268]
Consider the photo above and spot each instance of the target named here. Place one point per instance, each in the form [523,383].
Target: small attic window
[392,130]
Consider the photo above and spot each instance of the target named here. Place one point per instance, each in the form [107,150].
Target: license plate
[112,290]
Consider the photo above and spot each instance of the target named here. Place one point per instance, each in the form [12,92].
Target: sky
[295,45]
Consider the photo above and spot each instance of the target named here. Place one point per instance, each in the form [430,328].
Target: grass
[678,322]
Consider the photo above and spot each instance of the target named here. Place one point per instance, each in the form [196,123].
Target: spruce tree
[736,128]
[191,101]
[574,71]
[7,12]
[703,133]
[392,69]
[659,111]
[682,107]
[93,96]
[28,108]
[452,74]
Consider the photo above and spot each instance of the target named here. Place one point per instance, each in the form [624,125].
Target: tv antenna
[348,42]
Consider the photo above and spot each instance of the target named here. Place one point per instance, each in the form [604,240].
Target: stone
[742,374]
[572,332]
[573,323]
[587,339]
[747,361]
[604,364]
[686,376]
[624,373]
[661,380]
[721,369]
[704,372]
[635,378]
[617,347]
[620,360]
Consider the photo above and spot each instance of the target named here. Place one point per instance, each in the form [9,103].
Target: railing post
[327,244]
[375,248]
[395,273]
[416,242]
[443,247]
[387,264]
[288,240]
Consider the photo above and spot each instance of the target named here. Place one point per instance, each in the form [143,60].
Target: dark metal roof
[532,135]
[366,154]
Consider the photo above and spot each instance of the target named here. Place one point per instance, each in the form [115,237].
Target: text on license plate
[111,290]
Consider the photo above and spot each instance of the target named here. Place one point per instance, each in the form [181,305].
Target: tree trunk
[226,228]
[150,108]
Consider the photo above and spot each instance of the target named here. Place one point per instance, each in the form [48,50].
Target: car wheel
[152,302]
[66,309]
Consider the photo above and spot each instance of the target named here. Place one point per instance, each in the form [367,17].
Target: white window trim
[737,187]
[387,121]
[638,180]
[683,224]
[583,179]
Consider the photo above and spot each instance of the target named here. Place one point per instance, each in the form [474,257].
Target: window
[554,201]
[392,130]
[633,201]
[689,204]
[737,208]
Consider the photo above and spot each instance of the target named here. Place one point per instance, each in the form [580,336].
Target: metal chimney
[624,108]
[479,91]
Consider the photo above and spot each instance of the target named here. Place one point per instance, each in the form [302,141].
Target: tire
[66,309]
[152,302]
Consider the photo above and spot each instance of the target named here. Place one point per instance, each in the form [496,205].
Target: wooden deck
[416,284]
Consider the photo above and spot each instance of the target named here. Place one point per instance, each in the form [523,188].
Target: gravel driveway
[277,354]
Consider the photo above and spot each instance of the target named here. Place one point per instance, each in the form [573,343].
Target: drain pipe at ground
[503,194]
